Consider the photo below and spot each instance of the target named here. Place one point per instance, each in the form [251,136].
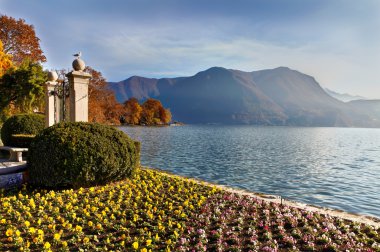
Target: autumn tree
[153,113]
[20,40]
[5,61]
[102,104]
[165,115]
[132,111]
[22,88]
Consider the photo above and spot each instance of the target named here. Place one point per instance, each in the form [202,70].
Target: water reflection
[333,167]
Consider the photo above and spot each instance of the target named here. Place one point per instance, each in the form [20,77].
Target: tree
[5,60]
[102,104]
[154,113]
[20,40]
[165,115]
[132,111]
[22,88]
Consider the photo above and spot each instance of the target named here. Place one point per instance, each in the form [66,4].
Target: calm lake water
[332,167]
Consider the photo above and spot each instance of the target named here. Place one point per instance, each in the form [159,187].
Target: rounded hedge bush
[79,154]
[22,140]
[26,124]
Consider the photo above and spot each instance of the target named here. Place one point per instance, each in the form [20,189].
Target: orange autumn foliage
[5,60]
[132,111]
[151,112]
[20,40]
[102,104]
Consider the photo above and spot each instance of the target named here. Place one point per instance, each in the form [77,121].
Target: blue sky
[336,41]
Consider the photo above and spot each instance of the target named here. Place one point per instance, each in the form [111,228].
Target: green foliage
[23,87]
[79,154]
[22,140]
[29,124]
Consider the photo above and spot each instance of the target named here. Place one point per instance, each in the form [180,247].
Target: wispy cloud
[334,40]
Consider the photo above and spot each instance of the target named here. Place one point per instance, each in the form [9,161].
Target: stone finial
[52,76]
[78,64]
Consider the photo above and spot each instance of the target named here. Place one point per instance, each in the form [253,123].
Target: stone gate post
[50,115]
[79,82]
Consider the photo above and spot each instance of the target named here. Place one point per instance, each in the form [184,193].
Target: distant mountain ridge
[344,97]
[279,96]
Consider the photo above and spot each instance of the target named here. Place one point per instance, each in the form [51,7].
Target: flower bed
[159,212]
[233,222]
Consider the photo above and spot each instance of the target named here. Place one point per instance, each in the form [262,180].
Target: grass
[154,211]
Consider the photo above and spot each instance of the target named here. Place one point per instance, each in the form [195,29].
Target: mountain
[370,107]
[279,96]
[344,97]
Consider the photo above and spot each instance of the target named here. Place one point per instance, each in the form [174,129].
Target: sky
[335,41]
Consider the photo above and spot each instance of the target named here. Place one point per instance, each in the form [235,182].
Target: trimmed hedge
[79,154]
[22,140]
[26,124]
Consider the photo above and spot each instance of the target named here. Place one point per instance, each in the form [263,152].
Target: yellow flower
[168,242]
[135,245]
[57,237]
[148,242]
[64,244]
[90,223]
[143,250]
[86,240]
[78,228]
[18,233]
[27,223]
[3,221]
[40,232]
[47,245]
[9,232]
[32,230]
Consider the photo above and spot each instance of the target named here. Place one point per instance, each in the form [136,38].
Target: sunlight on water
[332,167]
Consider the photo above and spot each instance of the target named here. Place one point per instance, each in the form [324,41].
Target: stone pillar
[50,115]
[79,81]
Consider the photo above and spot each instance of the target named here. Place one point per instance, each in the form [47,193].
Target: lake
[331,167]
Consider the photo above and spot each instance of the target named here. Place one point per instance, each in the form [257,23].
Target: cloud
[334,40]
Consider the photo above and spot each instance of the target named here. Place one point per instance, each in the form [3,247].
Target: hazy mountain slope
[135,86]
[217,96]
[344,97]
[302,98]
[370,107]
[278,96]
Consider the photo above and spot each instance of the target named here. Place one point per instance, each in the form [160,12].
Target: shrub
[27,124]
[79,154]
[22,140]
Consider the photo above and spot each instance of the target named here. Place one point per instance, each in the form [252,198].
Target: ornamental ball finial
[52,75]
[78,64]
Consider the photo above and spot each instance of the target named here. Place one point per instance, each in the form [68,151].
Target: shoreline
[364,219]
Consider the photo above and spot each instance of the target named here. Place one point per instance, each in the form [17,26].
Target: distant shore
[155,125]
